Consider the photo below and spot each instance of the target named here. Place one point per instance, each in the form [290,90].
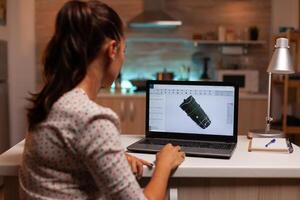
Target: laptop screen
[191,109]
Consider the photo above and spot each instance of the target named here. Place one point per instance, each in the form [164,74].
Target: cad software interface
[192,109]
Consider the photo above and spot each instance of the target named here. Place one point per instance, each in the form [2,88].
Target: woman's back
[73,151]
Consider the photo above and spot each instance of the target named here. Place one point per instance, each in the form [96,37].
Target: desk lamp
[281,63]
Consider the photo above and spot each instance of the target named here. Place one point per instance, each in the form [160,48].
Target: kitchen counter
[107,93]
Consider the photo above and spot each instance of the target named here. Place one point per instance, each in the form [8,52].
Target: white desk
[243,164]
[247,175]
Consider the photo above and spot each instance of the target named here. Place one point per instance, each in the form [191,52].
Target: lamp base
[262,133]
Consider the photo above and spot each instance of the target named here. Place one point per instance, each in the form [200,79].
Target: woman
[73,148]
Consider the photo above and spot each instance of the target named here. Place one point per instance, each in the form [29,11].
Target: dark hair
[81,29]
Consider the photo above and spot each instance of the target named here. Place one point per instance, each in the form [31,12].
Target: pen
[272,141]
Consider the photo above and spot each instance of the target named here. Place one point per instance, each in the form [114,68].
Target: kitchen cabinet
[252,114]
[290,89]
[229,43]
[130,109]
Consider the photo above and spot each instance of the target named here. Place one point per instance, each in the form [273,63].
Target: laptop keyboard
[189,143]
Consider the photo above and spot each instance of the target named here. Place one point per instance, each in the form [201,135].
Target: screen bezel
[174,135]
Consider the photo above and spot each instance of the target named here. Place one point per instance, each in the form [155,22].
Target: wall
[19,32]
[197,17]
[3,32]
[45,13]
[4,121]
[285,14]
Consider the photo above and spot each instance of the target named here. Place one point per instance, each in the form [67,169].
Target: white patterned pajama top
[76,153]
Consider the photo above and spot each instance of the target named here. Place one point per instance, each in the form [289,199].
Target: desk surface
[243,164]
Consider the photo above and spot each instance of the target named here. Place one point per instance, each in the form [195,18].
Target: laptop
[201,117]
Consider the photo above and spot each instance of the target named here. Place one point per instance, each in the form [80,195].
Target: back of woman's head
[80,31]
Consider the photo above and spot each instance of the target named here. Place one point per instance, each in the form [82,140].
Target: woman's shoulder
[76,105]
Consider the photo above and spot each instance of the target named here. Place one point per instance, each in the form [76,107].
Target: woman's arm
[158,184]
[156,188]
[167,159]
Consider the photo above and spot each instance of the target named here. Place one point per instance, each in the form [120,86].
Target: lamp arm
[269,119]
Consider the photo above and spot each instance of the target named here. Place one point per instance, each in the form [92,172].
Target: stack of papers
[270,144]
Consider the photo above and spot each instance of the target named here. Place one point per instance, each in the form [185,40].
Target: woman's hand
[170,157]
[136,165]
[167,159]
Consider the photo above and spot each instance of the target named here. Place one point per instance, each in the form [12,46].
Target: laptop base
[143,146]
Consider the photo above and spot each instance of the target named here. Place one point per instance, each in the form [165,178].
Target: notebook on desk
[201,117]
[282,145]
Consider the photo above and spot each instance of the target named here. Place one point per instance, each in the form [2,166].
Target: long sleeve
[100,150]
